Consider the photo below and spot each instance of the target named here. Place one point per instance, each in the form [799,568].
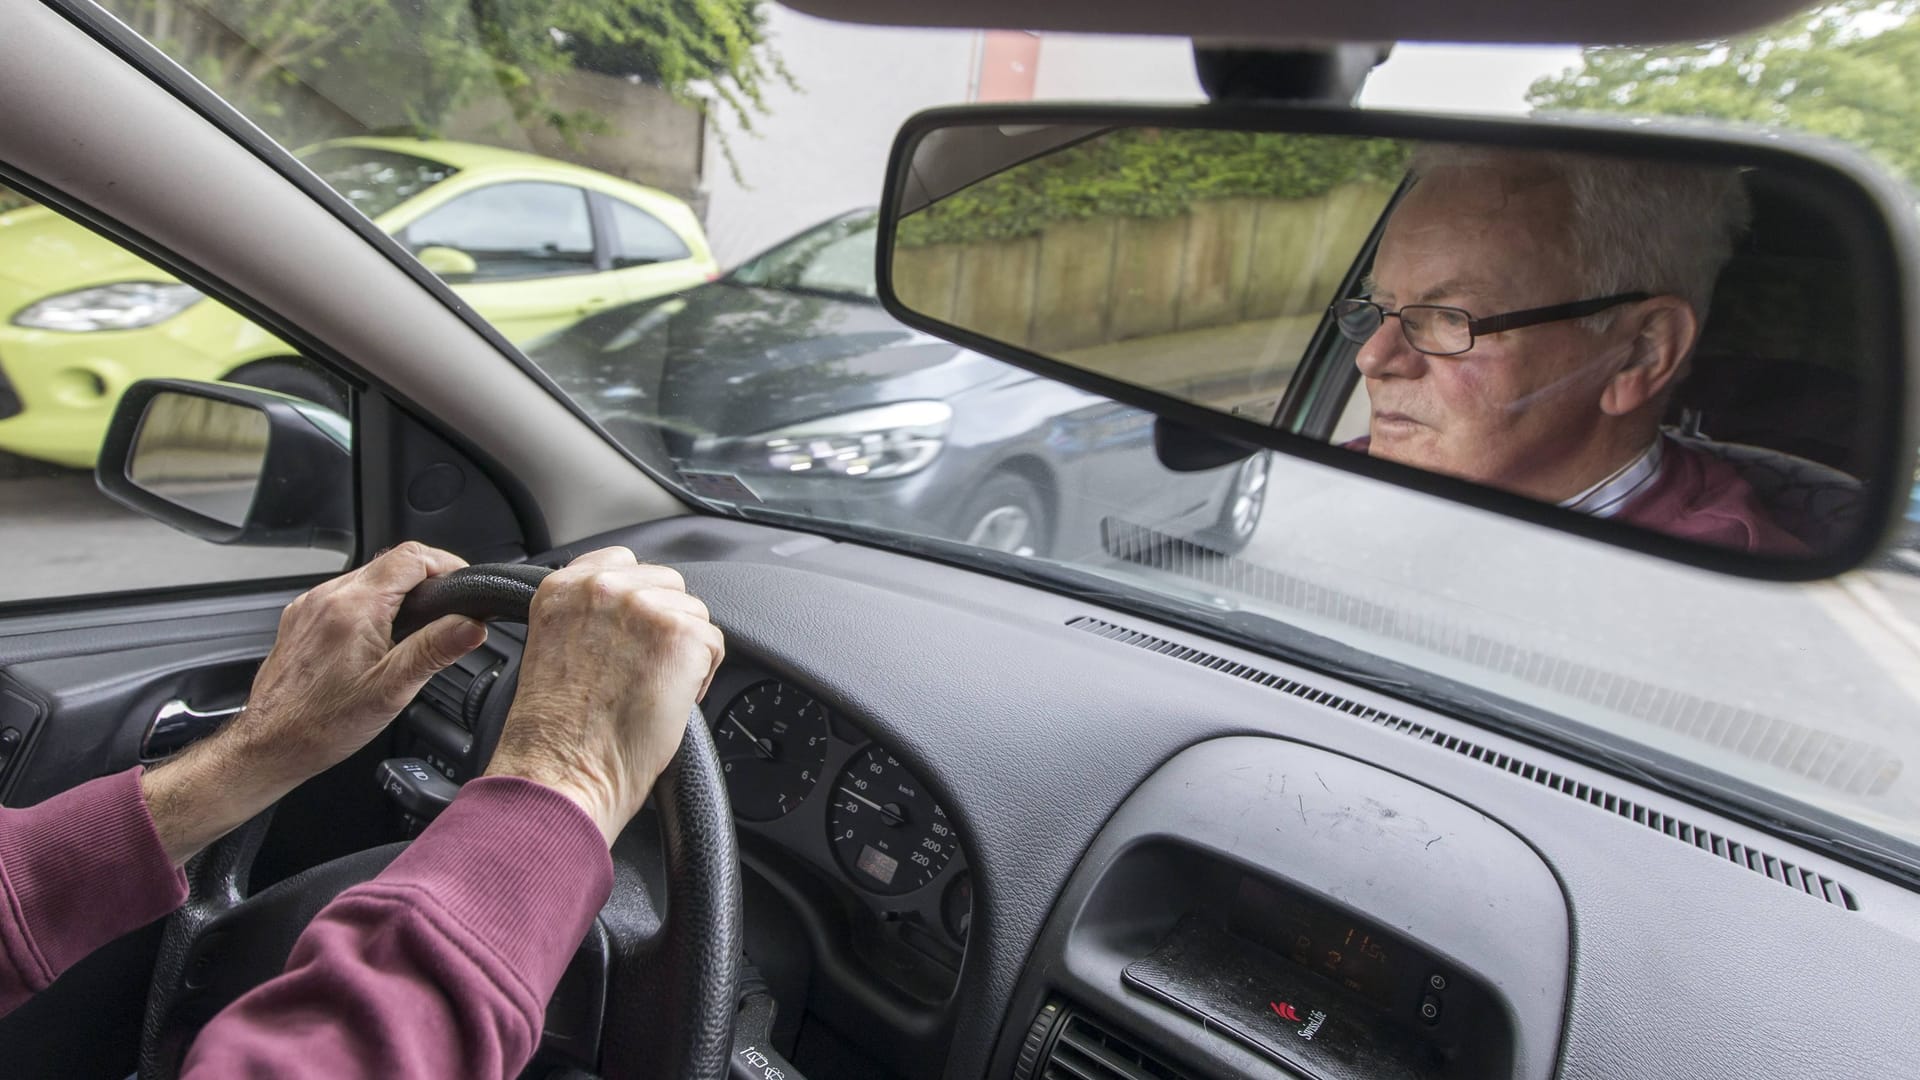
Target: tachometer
[772,741]
[887,832]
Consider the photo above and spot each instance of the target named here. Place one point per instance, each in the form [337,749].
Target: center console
[1260,907]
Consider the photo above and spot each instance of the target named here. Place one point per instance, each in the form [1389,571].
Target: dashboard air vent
[1065,1044]
[1813,884]
[460,691]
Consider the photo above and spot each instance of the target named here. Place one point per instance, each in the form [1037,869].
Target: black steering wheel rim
[671,981]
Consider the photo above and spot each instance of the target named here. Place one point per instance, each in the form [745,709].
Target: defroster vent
[1816,885]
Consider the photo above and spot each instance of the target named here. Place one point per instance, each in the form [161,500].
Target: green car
[532,243]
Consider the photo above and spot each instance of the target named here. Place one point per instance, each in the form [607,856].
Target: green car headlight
[126,305]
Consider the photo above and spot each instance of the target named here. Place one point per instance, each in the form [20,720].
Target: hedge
[1150,173]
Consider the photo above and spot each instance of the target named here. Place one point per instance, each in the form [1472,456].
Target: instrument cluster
[802,777]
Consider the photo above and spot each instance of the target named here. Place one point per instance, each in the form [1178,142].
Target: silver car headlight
[885,441]
[126,305]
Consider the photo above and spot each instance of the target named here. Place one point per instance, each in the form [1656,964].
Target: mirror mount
[1329,75]
[304,491]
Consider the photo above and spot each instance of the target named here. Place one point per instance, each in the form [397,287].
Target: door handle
[176,724]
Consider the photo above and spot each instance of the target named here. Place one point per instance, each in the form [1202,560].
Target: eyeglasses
[1450,331]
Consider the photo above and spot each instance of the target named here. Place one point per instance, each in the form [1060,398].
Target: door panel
[80,687]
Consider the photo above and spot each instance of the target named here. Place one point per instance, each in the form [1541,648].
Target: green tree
[1150,173]
[1848,70]
[434,56]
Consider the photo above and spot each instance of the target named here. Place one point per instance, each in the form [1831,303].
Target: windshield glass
[721,325]
[12,200]
[836,258]
[375,181]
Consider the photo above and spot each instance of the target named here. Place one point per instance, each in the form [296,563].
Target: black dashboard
[1146,853]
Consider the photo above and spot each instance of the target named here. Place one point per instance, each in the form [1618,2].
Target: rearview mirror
[231,464]
[1690,345]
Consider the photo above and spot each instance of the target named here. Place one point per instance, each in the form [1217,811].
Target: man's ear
[1659,333]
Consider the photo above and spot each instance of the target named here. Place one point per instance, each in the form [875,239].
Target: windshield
[730,131]
[836,258]
[375,181]
[12,200]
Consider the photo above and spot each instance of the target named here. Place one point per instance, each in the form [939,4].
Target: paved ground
[62,537]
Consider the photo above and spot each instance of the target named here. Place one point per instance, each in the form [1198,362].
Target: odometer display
[887,832]
[772,741]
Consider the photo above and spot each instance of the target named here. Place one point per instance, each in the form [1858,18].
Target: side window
[517,230]
[80,321]
[640,239]
[844,266]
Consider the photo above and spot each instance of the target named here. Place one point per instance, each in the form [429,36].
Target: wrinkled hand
[617,654]
[333,681]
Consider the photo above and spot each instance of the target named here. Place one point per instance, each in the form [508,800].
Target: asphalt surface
[61,537]
[1821,682]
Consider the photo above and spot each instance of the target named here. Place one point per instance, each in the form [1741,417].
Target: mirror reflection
[201,454]
[1675,346]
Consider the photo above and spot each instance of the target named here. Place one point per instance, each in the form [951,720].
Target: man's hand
[617,654]
[333,681]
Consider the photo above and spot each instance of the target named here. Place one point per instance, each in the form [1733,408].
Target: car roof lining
[1309,21]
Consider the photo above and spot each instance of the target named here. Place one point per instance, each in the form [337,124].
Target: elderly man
[1545,307]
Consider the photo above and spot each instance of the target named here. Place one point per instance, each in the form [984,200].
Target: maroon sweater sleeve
[77,871]
[442,965]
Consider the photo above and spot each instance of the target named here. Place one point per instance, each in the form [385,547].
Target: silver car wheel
[1004,528]
[1249,496]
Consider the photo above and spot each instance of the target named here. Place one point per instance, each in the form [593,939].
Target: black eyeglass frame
[1477,328]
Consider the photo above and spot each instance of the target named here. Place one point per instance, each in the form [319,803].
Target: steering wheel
[665,987]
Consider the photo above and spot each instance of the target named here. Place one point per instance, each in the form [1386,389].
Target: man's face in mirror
[1544,411]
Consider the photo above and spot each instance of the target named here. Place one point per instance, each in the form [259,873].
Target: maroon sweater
[441,966]
[1695,496]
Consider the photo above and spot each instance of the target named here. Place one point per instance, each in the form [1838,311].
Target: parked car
[530,242]
[787,376]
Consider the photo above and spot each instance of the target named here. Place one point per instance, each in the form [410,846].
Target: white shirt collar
[1605,498]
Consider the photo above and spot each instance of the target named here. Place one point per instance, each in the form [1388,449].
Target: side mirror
[446,262]
[232,464]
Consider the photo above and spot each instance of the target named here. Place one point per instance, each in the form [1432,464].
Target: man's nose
[1386,355]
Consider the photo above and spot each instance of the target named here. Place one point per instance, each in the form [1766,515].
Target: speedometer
[772,741]
[887,832]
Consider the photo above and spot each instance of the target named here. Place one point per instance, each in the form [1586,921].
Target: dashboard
[988,831]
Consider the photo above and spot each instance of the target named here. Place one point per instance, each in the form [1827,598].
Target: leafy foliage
[1846,70]
[12,200]
[434,56]
[1150,173]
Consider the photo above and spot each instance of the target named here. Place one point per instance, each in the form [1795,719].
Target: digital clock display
[1345,950]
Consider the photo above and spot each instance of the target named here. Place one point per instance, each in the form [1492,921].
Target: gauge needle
[894,817]
[761,746]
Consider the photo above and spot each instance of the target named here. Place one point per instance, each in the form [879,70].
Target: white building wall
[822,150]
[1092,67]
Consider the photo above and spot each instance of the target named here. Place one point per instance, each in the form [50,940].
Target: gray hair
[1637,225]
